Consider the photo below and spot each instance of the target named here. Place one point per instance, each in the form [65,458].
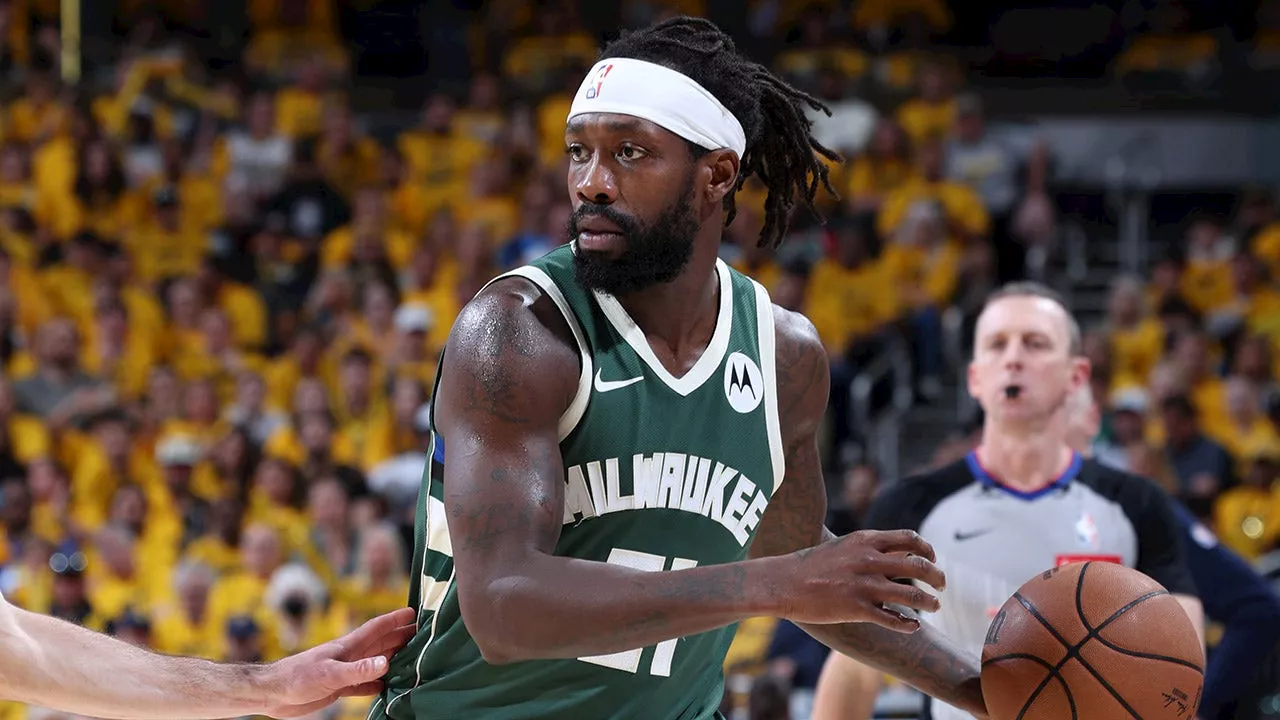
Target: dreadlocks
[781,150]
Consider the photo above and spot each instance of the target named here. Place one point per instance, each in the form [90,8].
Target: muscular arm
[925,659]
[510,370]
[50,663]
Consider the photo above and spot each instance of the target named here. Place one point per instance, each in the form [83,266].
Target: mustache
[627,224]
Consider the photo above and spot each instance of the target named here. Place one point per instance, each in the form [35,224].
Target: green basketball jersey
[661,473]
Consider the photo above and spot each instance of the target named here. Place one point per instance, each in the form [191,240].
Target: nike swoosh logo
[604,386]
[962,536]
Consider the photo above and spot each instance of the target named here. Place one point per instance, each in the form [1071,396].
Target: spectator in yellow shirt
[1206,281]
[1135,335]
[484,117]
[1247,517]
[411,356]
[347,158]
[760,263]
[966,216]
[1197,356]
[923,263]
[241,593]
[118,351]
[97,201]
[370,216]
[1169,44]
[1247,426]
[392,433]
[299,107]
[1255,305]
[242,305]
[37,115]
[883,167]
[379,580]
[359,399]
[851,302]
[165,249]
[182,626]
[930,115]
[439,156]
[116,583]
[331,537]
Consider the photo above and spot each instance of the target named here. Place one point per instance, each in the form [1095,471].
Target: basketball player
[1023,500]
[625,460]
[53,664]
[1233,594]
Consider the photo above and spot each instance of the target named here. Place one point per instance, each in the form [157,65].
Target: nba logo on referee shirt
[1087,532]
[594,89]
[743,384]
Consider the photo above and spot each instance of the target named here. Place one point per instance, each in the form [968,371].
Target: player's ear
[721,173]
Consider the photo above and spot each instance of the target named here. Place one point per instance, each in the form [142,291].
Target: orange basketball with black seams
[1092,641]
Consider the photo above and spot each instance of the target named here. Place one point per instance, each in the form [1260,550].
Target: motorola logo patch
[743,384]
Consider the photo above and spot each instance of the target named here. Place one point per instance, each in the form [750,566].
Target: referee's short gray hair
[1026,288]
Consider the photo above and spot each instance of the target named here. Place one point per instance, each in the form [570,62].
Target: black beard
[655,253]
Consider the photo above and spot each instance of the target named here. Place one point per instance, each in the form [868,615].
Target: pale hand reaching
[352,665]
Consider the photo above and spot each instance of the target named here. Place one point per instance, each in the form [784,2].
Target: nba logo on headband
[594,90]
[662,96]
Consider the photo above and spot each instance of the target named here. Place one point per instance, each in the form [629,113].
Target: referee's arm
[1161,553]
[847,689]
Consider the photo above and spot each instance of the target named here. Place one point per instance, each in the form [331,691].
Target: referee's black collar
[989,481]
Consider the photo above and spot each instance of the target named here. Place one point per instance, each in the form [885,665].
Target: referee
[1023,501]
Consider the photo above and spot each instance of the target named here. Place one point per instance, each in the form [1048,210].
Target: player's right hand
[854,578]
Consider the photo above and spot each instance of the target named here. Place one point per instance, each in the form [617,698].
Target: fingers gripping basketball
[1092,640]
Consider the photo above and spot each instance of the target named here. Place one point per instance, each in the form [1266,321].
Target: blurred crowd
[223,294]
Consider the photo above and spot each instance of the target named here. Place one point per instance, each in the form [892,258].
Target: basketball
[1092,640]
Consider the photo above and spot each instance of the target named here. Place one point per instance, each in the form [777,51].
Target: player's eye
[630,152]
[576,152]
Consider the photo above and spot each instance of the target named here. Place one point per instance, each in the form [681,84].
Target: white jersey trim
[712,357]
[573,415]
[769,373]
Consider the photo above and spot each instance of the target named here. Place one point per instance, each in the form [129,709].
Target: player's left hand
[352,665]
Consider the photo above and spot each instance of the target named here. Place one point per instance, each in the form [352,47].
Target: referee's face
[1022,369]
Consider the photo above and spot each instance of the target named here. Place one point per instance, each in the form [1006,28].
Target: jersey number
[663,652]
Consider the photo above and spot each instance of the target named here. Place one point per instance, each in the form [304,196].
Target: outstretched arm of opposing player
[50,663]
[926,659]
[510,370]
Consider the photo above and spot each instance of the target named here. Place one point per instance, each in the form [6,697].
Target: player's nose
[595,182]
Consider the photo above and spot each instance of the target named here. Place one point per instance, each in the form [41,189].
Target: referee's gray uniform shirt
[991,538]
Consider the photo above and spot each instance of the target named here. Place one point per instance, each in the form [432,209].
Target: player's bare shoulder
[804,372]
[510,355]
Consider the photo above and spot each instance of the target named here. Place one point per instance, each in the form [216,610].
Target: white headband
[662,96]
